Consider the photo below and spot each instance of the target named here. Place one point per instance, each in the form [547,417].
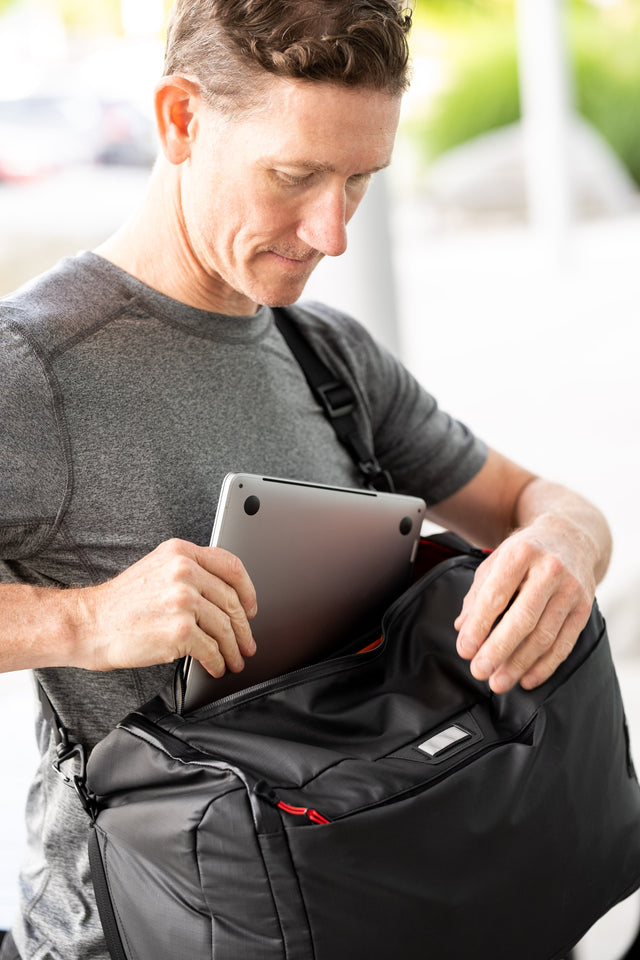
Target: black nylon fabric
[300,820]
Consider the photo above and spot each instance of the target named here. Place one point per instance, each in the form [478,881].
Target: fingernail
[482,668]
[501,683]
[466,647]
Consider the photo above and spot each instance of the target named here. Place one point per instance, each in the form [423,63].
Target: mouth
[301,262]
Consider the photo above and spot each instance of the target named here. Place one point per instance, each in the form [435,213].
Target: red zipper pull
[303,812]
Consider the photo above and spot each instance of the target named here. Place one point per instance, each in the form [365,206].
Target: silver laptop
[325,562]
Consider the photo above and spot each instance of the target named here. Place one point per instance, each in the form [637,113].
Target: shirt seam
[64,439]
[85,334]
[158,313]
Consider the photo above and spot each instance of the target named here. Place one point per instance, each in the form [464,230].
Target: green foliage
[429,11]
[607,85]
[96,17]
[483,94]
[481,89]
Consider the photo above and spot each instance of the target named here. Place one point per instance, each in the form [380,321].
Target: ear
[176,101]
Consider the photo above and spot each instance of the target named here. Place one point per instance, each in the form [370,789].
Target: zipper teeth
[338,663]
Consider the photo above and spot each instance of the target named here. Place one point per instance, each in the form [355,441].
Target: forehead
[324,124]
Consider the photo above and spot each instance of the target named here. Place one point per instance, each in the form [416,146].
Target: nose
[323,225]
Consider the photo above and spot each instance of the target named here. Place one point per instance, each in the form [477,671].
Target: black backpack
[379,802]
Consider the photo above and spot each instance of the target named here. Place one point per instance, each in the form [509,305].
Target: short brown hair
[227,45]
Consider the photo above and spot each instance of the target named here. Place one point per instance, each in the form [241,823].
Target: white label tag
[443,740]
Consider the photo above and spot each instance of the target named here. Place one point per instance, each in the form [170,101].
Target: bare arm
[551,548]
[180,599]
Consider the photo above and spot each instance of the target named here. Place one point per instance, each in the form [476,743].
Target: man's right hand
[179,600]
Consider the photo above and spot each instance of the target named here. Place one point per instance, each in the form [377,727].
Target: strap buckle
[336,398]
[376,477]
[78,780]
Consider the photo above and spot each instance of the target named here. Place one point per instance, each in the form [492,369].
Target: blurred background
[498,257]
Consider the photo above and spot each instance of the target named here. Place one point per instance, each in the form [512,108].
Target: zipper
[447,772]
[339,662]
[311,671]
[184,753]
[316,817]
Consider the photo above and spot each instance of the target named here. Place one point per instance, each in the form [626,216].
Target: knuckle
[521,551]
[182,633]
[544,634]
[501,648]
[552,567]
[172,547]
[525,618]
[235,567]
[224,627]
[181,568]
[522,658]
[226,601]
[180,598]
[235,609]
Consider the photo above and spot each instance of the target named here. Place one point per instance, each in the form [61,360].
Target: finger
[206,651]
[540,642]
[531,621]
[468,641]
[488,600]
[230,569]
[545,666]
[232,635]
[222,615]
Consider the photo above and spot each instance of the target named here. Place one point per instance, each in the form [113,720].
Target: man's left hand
[541,583]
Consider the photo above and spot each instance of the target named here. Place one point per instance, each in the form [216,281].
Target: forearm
[39,627]
[543,503]
[179,600]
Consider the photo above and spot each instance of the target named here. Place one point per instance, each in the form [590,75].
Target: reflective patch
[443,740]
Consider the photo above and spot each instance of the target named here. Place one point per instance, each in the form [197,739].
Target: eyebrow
[315,167]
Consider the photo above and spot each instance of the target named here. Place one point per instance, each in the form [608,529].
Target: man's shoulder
[60,305]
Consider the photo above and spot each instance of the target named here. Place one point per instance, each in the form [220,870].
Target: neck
[153,246]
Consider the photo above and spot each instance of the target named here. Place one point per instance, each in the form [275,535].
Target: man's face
[266,196]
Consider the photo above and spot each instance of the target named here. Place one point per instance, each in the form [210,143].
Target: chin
[280,295]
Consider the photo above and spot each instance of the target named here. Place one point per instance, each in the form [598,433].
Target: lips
[302,259]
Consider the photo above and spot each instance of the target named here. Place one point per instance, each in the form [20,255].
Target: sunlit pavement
[537,352]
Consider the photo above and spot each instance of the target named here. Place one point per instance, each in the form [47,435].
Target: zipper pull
[313,815]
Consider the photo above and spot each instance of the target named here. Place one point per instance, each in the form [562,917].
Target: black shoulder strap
[337,400]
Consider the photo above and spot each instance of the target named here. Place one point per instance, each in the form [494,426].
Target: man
[134,377]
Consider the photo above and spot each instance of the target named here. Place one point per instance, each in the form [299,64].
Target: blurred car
[40,135]
[124,135]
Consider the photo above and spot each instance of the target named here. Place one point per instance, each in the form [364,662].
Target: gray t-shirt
[121,411]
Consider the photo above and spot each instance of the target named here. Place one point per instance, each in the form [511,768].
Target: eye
[360,180]
[291,179]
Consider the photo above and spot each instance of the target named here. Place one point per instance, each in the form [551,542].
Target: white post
[546,119]
[362,281]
